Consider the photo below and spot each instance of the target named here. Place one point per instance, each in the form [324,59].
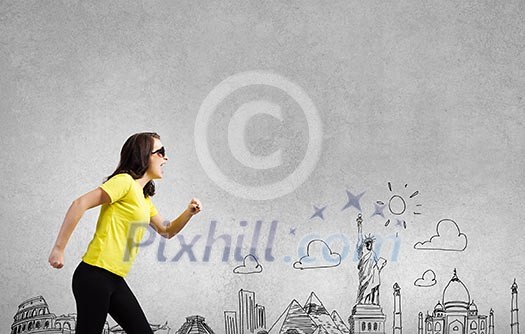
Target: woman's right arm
[85,202]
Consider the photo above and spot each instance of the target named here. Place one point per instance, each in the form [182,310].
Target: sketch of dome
[456,295]
[472,309]
[438,310]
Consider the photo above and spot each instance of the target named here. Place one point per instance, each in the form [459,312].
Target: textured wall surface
[408,112]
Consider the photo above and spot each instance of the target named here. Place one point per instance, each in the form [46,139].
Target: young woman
[98,282]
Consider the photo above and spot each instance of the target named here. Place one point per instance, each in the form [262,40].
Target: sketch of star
[379,208]
[401,223]
[353,200]
[292,231]
[318,212]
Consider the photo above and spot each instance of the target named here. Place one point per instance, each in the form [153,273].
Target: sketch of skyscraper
[250,317]
[246,312]
[260,317]
[397,326]
[230,322]
[420,323]
[491,322]
[514,322]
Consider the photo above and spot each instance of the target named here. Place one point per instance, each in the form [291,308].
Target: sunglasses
[161,151]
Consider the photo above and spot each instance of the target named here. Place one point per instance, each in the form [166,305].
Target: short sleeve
[152,208]
[118,186]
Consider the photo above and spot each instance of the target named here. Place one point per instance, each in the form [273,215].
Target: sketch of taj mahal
[456,313]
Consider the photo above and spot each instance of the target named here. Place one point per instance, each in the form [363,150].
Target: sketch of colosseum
[33,316]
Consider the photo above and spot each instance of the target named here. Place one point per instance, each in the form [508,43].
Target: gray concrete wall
[426,95]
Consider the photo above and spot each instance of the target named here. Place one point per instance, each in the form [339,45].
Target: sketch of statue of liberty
[367,315]
[369,267]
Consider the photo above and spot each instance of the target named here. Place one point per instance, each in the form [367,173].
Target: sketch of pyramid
[195,325]
[321,330]
[316,310]
[340,323]
[314,306]
[294,318]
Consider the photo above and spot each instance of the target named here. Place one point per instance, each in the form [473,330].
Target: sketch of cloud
[427,280]
[250,265]
[318,255]
[448,238]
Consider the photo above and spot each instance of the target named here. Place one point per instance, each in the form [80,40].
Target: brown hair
[134,158]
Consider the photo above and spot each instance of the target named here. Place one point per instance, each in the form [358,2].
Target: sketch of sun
[400,206]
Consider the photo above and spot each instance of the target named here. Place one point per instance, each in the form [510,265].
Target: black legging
[99,292]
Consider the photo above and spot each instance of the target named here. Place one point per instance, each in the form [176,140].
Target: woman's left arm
[170,229]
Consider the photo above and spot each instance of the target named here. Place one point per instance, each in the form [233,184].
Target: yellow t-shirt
[120,225]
